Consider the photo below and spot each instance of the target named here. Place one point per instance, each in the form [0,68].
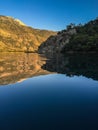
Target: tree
[70,26]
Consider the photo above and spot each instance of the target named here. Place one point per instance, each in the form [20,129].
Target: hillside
[80,38]
[86,39]
[16,36]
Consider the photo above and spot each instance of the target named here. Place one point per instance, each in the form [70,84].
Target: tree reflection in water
[16,67]
[74,64]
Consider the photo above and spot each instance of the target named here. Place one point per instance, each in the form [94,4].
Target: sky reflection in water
[52,101]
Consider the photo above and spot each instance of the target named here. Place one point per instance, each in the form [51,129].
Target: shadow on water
[73,64]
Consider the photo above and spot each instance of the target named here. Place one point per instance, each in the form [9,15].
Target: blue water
[50,102]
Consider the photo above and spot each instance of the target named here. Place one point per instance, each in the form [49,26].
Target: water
[58,93]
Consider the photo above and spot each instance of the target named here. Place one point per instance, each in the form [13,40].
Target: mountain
[16,36]
[80,38]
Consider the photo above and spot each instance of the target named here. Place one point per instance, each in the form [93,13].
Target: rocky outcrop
[56,43]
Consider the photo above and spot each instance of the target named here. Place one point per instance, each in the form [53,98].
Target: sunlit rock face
[20,22]
[16,67]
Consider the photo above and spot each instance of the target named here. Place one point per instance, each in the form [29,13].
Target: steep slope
[16,36]
[55,44]
[74,39]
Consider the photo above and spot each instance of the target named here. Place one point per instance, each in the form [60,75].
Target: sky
[50,14]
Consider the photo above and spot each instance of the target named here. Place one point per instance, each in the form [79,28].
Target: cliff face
[16,36]
[56,43]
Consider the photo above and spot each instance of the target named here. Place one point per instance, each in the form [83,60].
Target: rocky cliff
[55,44]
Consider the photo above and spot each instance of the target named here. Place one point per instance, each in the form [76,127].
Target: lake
[52,92]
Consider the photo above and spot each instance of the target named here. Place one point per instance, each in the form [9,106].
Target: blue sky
[50,14]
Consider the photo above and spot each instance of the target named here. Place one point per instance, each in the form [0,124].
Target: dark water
[60,93]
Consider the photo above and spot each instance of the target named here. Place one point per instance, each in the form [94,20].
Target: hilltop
[16,36]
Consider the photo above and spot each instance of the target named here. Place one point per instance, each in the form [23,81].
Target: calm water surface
[59,93]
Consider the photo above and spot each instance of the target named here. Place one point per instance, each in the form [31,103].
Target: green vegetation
[86,38]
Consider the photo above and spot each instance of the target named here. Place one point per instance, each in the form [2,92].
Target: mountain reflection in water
[15,67]
[73,64]
[52,102]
